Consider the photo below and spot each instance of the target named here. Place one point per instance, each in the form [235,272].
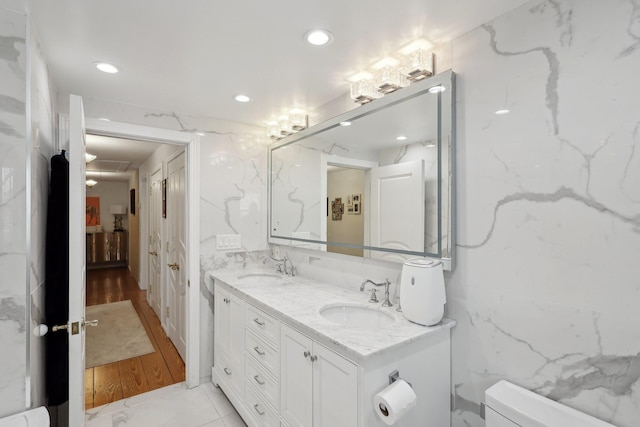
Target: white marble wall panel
[13,245]
[545,291]
[42,148]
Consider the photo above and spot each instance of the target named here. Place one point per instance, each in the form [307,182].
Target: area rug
[118,336]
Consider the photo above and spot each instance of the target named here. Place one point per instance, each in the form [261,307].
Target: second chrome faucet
[374,298]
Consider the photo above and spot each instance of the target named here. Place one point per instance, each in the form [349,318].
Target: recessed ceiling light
[200,133]
[106,67]
[345,123]
[242,98]
[319,37]
[401,138]
[437,89]
[89,157]
[91,182]
[104,119]
[502,111]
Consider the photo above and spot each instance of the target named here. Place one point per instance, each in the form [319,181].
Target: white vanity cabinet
[229,338]
[319,388]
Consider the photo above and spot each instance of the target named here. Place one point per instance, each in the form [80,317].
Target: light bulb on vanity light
[363,88]
[388,76]
[419,61]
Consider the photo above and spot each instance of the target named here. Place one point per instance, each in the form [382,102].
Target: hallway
[119,380]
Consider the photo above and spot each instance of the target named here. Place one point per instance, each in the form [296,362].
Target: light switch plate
[228,241]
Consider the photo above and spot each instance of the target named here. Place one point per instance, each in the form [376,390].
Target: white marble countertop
[298,300]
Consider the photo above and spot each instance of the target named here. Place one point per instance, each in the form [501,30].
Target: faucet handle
[374,297]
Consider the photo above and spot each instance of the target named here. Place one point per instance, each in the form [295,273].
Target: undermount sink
[357,316]
[260,276]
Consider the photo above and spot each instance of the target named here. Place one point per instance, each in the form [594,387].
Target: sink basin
[357,316]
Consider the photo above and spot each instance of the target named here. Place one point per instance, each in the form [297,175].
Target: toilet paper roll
[394,401]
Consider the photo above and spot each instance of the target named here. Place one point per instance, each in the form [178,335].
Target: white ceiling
[193,56]
[116,158]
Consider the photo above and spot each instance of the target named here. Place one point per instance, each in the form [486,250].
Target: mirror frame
[446,78]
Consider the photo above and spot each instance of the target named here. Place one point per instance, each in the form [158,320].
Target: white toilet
[507,405]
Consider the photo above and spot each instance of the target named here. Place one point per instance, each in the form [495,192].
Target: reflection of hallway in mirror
[345,221]
[118,380]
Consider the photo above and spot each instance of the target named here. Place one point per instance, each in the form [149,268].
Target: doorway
[190,143]
[134,347]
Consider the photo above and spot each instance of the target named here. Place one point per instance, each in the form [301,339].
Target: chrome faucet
[282,268]
[373,298]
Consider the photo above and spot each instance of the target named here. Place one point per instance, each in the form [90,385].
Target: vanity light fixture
[363,88]
[89,157]
[91,182]
[318,37]
[388,76]
[298,120]
[418,60]
[500,112]
[242,98]
[273,131]
[284,126]
[105,67]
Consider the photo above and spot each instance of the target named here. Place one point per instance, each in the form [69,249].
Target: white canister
[422,292]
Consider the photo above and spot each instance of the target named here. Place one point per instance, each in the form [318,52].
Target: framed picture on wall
[93,211]
[132,197]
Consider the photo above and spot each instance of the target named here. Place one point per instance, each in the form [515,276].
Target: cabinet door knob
[307,353]
[314,358]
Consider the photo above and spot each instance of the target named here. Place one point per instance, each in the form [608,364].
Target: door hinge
[188,283]
[167,311]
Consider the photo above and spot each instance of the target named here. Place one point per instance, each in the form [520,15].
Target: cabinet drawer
[264,325]
[261,410]
[267,386]
[268,357]
[231,373]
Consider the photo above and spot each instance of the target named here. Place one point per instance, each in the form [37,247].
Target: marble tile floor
[173,406]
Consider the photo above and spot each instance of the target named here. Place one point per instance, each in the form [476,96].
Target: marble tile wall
[13,244]
[546,290]
[43,138]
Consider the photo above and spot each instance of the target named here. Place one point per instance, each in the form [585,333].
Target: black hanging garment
[57,281]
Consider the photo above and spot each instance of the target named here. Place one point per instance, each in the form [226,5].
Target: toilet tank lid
[422,262]
[529,409]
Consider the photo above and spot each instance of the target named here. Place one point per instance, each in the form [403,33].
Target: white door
[296,376]
[176,254]
[397,209]
[77,260]
[155,241]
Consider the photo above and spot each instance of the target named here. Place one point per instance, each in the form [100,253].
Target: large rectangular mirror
[376,182]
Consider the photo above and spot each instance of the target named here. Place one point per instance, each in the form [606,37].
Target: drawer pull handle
[257,408]
[258,321]
[257,350]
[307,353]
[314,358]
[257,378]
[227,371]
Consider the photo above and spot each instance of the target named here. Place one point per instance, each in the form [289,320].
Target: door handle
[57,328]
[90,323]
[174,266]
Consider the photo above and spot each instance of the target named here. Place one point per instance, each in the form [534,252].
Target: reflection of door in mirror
[343,183]
[397,209]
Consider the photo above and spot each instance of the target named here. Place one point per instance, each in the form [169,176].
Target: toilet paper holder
[395,376]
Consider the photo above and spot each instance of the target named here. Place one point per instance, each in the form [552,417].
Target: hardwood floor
[126,378]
